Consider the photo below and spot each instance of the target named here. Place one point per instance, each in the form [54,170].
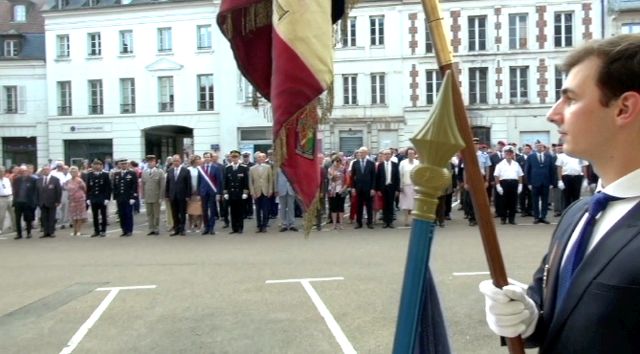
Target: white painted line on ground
[301,280]
[95,316]
[334,327]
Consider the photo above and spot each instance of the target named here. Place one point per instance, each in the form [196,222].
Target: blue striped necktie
[579,248]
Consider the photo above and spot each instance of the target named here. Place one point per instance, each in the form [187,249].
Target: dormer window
[11,47]
[19,13]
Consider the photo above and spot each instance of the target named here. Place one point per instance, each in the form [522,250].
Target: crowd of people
[240,186]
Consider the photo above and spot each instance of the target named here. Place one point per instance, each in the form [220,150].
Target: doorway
[167,140]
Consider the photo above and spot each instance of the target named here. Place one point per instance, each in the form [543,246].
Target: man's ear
[628,108]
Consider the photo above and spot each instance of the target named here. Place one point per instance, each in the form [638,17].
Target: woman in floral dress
[77,191]
[337,191]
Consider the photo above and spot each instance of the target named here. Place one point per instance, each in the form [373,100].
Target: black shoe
[62,227]
[151,233]
[536,221]
[390,226]
[263,230]
[293,228]
[511,222]
[358,227]
[95,235]
[544,221]
[17,237]
[369,226]
[473,223]
[283,229]
[103,234]
[206,232]
[385,226]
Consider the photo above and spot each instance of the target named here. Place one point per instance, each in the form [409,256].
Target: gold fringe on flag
[254,16]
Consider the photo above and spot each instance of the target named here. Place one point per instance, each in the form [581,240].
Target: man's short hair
[620,64]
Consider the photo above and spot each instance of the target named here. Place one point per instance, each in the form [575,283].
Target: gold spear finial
[436,142]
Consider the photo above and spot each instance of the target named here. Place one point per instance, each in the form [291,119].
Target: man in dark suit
[210,180]
[584,295]
[540,171]
[125,192]
[178,191]
[388,185]
[24,200]
[363,177]
[236,190]
[48,195]
[98,195]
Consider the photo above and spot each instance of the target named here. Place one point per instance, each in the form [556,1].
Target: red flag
[284,49]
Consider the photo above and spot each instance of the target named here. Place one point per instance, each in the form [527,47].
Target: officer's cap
[234,153]
[151,157]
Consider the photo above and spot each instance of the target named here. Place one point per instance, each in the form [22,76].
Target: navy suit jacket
[179,188]
[363,181]
[601,310]
[204,188]
[541,174]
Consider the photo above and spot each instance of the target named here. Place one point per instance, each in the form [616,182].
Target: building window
[61,4]
[519,84]
[378,89]
[11,47]
[348,32]
[94,44]
[434,80]
[559,81]
[478,85]
[477,33]
[19,13]
[563,29]
[127,96]
[377,30]
[126,42]
[165,94]
[95,97]
[428,42]
[350,89]
[10,99]
[164,40]
[204,37]
[62,46]
[93,3]
[205,92]
[628,28]
[64,98]
[518,31]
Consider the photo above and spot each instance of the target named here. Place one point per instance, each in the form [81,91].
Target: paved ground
[211,293]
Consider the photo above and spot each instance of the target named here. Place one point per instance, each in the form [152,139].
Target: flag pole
[420,322]
[474,177]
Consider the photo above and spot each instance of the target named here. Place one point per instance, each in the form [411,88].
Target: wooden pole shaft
[474,178]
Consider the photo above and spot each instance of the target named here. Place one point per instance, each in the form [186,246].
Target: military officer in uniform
[98,195]
[236,190]
[125,191]
[153,181]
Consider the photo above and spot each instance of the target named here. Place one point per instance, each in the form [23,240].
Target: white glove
[510,312]
[106,202]
[244,196]
[519,188]
[88,202]
[530,187]
[226,197]
[499,189]
[561,185]
[132,201]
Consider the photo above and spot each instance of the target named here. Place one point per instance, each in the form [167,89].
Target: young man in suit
[584,295]
[98,195]
[388,186]
[153,183]
[178,191]
[125,191]
[540,170]
[261,188]
[210,180]
[236,190]
[48,195]
[363,179]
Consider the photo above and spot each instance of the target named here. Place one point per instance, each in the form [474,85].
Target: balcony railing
[128,108]
[165,107]
[64,110]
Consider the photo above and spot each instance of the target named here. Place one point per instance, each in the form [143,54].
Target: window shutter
[22,98]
